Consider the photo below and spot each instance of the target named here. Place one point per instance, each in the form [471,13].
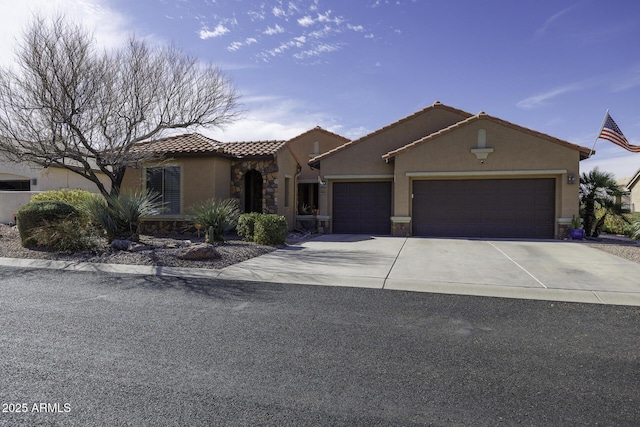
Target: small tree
[599,190]
[68,104]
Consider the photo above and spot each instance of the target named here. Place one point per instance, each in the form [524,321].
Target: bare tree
[69,104]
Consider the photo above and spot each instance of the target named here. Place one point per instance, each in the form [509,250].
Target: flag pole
[599,132]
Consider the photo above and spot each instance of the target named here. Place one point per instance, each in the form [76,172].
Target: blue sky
[355,66]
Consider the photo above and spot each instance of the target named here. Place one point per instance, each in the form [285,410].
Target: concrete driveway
[547,270]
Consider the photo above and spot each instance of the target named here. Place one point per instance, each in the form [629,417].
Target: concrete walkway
[544,270]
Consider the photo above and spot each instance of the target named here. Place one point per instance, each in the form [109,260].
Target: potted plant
[576,232]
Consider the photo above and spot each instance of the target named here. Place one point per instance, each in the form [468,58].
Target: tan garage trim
[380,176]
[486,173]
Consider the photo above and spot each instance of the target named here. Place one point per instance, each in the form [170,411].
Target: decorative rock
[121,245]
[139,247]
[128,245]
[200,251]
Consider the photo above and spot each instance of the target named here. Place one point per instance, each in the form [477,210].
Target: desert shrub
[37,214]
[71,234]
[270,229]
[75,198]
[633,229]
[119,215]
[614,224]
[217,216]
[246,225]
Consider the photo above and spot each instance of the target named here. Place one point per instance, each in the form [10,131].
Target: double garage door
[519,208]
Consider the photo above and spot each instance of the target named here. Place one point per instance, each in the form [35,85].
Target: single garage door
[484,208]
[362,207]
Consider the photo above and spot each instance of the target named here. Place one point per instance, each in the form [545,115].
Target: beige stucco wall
[365,157]
[304,148]
[287,168]
[634,198]
[49,178]
[57,178]
[516,155]
[201,179]
[632,185]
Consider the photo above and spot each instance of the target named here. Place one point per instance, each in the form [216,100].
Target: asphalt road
[97,349]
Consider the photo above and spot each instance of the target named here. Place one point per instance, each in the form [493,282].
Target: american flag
[611,132]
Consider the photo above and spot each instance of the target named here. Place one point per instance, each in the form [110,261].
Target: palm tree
[599,189]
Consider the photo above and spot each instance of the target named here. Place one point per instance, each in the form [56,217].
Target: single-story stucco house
[264,176]
[438,172]
[445,172]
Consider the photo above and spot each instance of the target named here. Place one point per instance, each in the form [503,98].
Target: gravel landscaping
[624,249]
[160,251]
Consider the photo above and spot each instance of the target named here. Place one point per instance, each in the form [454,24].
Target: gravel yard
[156,251]
[630,251]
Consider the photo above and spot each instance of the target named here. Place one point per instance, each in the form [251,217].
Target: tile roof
[435,105]
[194,143]
[584,152]
[186,143]
[252,148]
[318,128]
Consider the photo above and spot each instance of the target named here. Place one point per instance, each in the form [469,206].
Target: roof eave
[584,152]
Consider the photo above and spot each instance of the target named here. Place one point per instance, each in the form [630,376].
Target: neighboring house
[19,181]
[445,172]
[632,200]
[264,176]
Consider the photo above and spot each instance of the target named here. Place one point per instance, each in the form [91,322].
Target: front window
[18,185]
[166,182]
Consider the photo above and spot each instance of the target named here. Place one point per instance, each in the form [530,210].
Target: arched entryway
[253,191]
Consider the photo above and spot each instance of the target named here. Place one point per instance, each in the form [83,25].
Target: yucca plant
[216,217]
[119,215]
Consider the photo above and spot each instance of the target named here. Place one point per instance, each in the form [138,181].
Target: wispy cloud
[278,12]
[219,30]
[298,29]
[541,99]
[317,50]
[240,44]
[270,31]
[549,22]
[306,21]
[629,81]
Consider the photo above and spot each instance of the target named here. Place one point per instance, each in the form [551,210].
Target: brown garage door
[362,207]
[484,208]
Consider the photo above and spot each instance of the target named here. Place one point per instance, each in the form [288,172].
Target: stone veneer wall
[160,227]
[269,170]
[401,229]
